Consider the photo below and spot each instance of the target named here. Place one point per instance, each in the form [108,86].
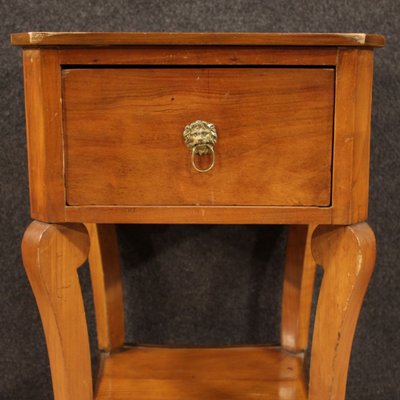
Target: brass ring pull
[200,137]
[196,151]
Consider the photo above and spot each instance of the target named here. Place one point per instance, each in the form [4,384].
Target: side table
[203,128]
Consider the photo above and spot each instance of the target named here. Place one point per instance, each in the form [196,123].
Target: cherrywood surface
[362,136]
[171,38]
[199,215]
[124,144]
[350,145]
[298,287]
[352,135]
[44,139]
[105,276]
[198,55]
[51,256]
[244,373]
[105,144]
[347,254]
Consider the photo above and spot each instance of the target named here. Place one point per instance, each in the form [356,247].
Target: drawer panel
[123,142]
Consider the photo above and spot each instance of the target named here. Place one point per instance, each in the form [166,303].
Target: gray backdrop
[201,284]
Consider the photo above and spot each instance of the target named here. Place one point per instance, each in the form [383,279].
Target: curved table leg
[347,254]
[51,254]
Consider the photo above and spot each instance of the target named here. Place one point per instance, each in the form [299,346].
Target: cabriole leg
[347,254]
[52,253]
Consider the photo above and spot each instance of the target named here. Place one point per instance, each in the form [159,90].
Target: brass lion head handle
[200,137]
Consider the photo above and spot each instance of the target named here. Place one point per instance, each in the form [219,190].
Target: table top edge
[195,38]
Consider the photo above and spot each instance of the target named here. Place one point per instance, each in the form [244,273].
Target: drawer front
[123,142]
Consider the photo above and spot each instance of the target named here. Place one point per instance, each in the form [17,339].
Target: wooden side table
[229,128]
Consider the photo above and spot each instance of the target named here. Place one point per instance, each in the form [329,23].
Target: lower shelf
[236,373]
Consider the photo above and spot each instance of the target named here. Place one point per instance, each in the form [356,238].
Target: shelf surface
[233,373]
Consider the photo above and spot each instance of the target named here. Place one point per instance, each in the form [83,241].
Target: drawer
[123,142]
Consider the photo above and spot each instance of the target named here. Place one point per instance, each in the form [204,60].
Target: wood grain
[351,131]
[343,145]
[200,215]
[362,137]
[105,114]
[105,275]
[124,145]
[347,254]
[51,256]
[298,289]
[199,55]
[352,135]
[173,38]
[44,139]
[145,373]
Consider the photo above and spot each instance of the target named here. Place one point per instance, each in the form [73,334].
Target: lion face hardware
[200,137]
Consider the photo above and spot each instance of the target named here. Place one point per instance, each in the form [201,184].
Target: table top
[190,38]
